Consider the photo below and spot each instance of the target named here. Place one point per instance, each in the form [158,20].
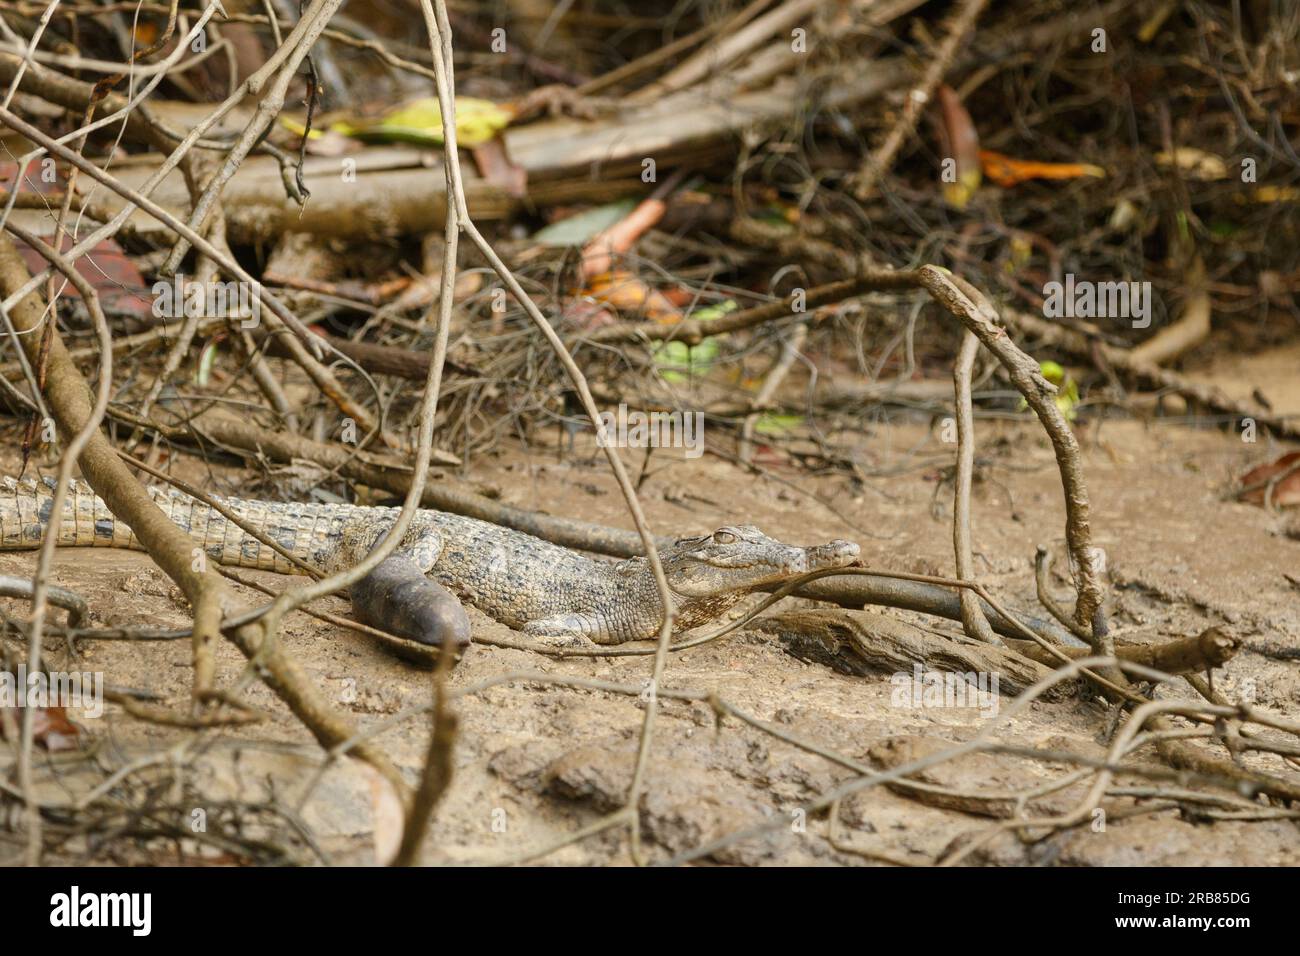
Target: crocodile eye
[723,537]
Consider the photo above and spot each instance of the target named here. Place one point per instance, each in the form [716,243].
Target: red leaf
[496,166]
[114,277]
[51,728]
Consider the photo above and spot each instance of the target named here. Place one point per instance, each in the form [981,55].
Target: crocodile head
[711,573]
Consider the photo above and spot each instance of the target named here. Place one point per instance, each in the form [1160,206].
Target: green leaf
[771,423]
[577,229]
[1067,389]
[678,361]
[711,312]
[207,359]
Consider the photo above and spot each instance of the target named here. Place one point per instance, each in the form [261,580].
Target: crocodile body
[522,581]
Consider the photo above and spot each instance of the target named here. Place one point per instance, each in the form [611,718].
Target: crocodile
[542,589]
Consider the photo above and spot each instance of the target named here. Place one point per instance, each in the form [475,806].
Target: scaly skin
[521,581]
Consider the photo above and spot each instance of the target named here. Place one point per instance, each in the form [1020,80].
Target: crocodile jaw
[821,557]
[710,574]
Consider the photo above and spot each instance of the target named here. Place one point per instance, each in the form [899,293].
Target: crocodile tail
[305,531]
[26,506]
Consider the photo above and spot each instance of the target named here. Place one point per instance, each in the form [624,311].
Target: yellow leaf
[1267,194]
[958,195]
[420,122]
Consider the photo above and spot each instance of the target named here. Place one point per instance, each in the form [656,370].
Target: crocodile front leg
[569,630]
[575,628]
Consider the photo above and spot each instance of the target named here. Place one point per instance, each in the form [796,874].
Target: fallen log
[393,191]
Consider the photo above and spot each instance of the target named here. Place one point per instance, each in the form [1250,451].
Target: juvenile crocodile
[523,582]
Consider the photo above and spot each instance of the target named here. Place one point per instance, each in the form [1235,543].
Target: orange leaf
[1284,471]
[598,254]
[1007,172]
[625,292]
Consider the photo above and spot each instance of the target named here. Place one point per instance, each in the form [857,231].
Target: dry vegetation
[836,230]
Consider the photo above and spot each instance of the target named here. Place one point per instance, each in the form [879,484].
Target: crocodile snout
[835,554]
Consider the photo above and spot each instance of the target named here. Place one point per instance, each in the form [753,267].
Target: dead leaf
[587,315]
[495,165]
[1194,163]
[389,816]
[960,143]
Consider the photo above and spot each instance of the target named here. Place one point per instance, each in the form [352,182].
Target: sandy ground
[535,762]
